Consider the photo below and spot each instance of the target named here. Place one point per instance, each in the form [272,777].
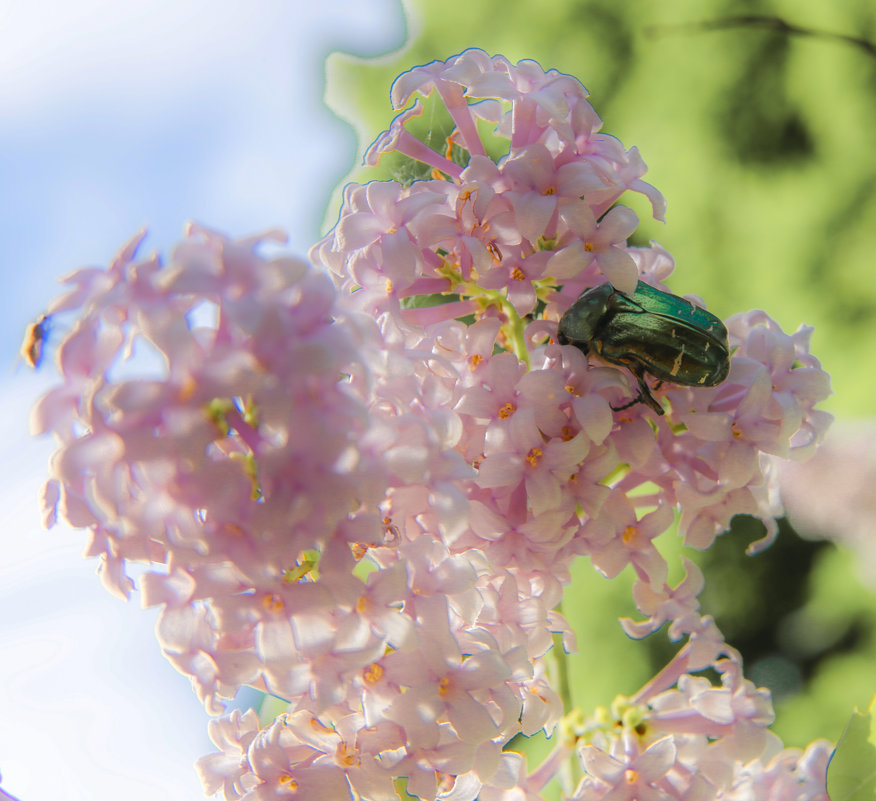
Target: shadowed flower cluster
[365,499]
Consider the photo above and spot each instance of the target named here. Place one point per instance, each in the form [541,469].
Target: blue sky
[113,117]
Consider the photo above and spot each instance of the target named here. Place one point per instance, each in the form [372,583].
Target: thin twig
[767,23]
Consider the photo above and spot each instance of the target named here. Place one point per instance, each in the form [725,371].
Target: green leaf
[270,708]
[851,774]
[426,301]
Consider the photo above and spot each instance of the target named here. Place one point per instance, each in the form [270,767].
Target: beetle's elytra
[649,332]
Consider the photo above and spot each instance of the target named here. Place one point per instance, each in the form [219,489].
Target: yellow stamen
[448,153]
[347,757]
[288,783]
[273,603]
[187,390]
[391,532]
[373,673]
[506,411]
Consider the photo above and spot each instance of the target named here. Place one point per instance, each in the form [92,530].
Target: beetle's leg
[644,395]
[633,402]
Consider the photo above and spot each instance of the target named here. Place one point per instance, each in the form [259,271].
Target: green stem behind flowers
[570,773]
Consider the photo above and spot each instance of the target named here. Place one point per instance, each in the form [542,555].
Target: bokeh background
[757,122]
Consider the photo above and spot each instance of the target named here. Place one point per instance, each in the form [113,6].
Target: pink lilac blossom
[682,737]
[368,506]
[233,455]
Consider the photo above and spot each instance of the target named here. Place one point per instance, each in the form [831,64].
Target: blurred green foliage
[762,141]
[852,772]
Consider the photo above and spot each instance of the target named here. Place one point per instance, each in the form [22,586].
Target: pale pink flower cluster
[684,737]
[367,504]
[507,242]
[223,423]
[204,432]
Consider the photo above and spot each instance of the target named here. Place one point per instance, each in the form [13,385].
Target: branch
[765,22]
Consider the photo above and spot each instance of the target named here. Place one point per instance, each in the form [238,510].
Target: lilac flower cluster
[225,454]
[366,501]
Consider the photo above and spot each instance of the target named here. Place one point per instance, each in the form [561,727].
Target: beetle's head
[578,326]
[565,339]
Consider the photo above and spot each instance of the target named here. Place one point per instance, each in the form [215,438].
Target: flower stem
[569,774]
[515,331]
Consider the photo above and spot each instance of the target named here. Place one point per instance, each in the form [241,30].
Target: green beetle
[648,332]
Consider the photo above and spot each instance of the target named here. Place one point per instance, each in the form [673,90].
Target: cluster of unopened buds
[359,485]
